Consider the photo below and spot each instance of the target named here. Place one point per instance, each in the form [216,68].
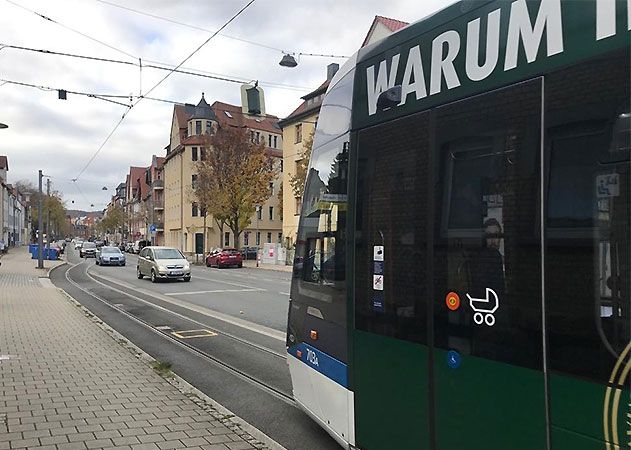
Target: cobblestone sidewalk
[66,384]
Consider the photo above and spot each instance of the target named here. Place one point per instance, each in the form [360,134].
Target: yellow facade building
[184,225]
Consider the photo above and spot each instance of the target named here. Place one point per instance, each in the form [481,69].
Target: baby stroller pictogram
[484,308]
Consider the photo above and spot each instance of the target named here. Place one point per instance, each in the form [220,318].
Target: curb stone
[240,427]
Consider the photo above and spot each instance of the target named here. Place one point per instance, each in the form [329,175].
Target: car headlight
[162,268]
[187,267]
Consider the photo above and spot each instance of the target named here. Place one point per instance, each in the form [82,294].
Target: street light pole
[40,225]
[48,216]
[258,236]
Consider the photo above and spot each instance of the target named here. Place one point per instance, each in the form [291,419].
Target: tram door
[487,370]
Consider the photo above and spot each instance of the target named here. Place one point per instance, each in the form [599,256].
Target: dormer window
[227,113]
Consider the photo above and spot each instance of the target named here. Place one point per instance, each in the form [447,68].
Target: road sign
[152,228]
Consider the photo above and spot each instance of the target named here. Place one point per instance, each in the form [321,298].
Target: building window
[194,181]
[275,141]
[190,129]
[246,238]
[258,137]
[271,213]
[194,153]
[269,140]
[281,165]
[258,213]
[269,238]
[299,133]
[198,127]
[298,205]
[202,154]
[226,239]
[258,238]
[194,210]
[280,237]
[209,127]
[271,188]
[252,136]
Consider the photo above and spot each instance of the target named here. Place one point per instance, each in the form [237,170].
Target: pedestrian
[2,248]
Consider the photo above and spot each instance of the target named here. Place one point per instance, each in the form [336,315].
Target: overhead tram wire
[193,72]
[72,29]
[195,27]
[247,5]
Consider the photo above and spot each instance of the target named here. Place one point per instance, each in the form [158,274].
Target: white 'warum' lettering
[413,69]
[475,72]
[444,66]
[383,82]
[519,25]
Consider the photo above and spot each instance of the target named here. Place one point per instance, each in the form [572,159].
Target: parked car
[225,257]
[162,263]
[129,247]
[249,252]
[78,243]
[110,256]
[87,249]
[139,245]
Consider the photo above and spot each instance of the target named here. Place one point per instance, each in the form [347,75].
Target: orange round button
[453,301]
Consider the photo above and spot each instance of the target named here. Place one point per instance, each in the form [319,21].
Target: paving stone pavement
[67,384]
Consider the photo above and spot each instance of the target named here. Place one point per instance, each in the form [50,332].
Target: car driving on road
[110,256]
[162,263]
[87,249]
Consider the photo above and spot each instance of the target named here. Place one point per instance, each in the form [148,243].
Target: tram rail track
[265,386]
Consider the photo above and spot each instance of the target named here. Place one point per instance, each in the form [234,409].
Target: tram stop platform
[67,381]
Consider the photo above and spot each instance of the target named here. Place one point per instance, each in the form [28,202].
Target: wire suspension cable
[195,27]
[71,29]
[247,5]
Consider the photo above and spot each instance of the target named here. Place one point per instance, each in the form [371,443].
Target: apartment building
[184,224]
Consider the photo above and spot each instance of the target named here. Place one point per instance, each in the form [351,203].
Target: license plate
[177,272]
[232,256]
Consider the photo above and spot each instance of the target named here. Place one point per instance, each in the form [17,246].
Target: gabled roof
[392,24]
[236,118]
[4,162]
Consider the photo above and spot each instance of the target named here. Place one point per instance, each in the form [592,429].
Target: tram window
[487,248]
[392,211]
[588,237]
[318,292]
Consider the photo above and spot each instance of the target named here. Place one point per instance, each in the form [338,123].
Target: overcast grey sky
[60,137]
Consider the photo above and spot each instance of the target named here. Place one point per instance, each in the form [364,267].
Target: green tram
[462,277]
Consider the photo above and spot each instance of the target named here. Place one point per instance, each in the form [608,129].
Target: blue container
[53,254]
[32,248]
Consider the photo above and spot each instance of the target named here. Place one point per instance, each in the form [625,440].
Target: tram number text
[312,357]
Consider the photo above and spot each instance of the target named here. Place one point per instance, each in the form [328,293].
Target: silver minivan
[162,263]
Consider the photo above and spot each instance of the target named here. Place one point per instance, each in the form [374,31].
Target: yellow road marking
[196,333]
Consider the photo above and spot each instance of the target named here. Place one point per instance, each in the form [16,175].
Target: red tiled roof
[266,123]
[4,162]
[392,24]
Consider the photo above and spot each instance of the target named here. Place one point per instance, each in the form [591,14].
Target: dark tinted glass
[487,244]
[391,229]
[587,255]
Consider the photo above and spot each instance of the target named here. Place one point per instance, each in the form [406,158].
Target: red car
[224,258]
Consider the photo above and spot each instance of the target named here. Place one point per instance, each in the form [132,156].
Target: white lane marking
[230,284]
[255,327]
[284,293]
[212,292]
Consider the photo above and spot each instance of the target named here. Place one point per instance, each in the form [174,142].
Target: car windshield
[89,245]
[230,251]
[110,250]
[167,253]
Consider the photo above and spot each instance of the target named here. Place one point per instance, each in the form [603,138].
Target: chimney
[331,70]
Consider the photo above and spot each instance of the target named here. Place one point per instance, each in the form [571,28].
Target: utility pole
[48,233]
[40,220]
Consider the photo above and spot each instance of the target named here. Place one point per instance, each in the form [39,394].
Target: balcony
[158,204]
[158,184]
[159,226]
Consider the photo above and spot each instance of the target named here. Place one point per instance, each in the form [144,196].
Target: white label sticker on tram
[377,282]
[312,357]
[608,185]
[484,308]
[377,253]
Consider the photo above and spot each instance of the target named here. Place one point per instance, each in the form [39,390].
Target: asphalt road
[223,332]
[260,296]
